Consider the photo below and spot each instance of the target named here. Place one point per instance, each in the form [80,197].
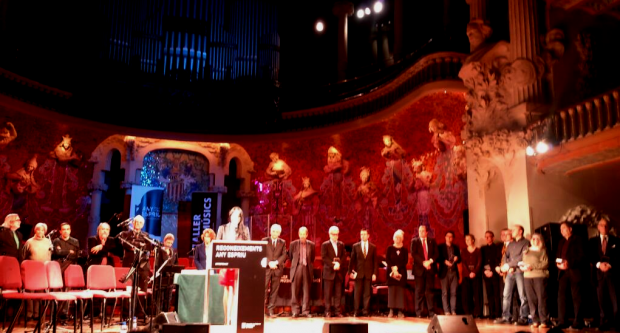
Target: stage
[315,325]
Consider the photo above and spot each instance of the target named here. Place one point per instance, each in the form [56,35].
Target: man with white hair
[276,257]
[333,256]
[10,238]
[137,238]
[302,256]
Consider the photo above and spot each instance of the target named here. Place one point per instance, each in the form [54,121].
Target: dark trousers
[493,295]
[424,287]
[302,281]
[333,288]
[272,285]
[568,280]
[536,290]
[362,287]
[606,288]
[449,284]
[471,290]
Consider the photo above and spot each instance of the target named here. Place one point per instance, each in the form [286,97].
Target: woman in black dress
[396,258]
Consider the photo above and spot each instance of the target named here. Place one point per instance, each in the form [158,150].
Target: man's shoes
[401,314]
[365,314]
[328,315]
[295,315]
[391,314]
[501,321]
[521,322]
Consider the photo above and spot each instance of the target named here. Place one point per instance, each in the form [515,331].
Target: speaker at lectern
[241,266]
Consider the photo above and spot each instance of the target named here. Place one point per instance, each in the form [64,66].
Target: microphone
[121,224]
[190,251]
[52,233]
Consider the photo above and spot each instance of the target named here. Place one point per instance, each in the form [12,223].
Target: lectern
[249,258]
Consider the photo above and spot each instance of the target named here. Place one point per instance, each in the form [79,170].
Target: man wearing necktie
[333,256]
[424,252]
[138,239]
[363,269]
[276,257]
[302,273]
[10,238]
[604,258]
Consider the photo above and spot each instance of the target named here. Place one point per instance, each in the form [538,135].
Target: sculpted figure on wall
[367,191]
[442,140]
[7,134]
[392,150]
[23,180]
[306,205]
[335,162]
[64,152]
[277,169]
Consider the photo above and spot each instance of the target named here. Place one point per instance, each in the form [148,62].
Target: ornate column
[477,9]
[342,9]
[95,206]
[524,44]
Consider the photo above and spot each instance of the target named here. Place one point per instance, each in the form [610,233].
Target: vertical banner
[204,214]
[148,202]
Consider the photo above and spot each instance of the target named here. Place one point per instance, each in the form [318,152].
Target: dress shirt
[605,237]
[335,245]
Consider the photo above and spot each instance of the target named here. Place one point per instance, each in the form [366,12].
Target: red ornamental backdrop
[393,174]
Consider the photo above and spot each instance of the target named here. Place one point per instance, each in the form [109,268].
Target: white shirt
[598,264]
[335,245]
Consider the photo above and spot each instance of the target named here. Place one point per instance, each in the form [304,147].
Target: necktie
[274,244]
[364,248]
[504,250]
[303,253]
[425,249]
[16,239]
[604,245]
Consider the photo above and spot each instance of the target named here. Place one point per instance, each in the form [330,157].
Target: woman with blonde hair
[535,267]
[396,258]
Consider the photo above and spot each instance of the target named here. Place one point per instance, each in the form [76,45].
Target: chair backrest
[34,276]
[120,273]
[11,277]
[382,275]
[117,261]
[100,277]
[184,262]
[54,275]
[74,277]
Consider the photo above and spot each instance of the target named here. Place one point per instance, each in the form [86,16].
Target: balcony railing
[434,67]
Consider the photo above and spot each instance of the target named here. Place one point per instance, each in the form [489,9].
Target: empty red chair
[101,281]
[55,282]
[74,280]
[10,281]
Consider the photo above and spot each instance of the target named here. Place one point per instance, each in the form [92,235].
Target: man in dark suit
[10,238]
[604,259]
[101,247]
[138,239]
[302,256]
[276,257]
[491,258]
[449,257]
[333,256]
[425,254]
[571,262]
[363,269]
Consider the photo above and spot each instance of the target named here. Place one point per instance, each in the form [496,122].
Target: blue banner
[150,207]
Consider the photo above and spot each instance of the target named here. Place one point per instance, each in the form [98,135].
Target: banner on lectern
[249,259]
[148,202]
[204,214]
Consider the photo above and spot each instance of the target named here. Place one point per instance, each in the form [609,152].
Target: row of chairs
[43,281]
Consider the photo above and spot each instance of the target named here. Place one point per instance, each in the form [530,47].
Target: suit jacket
[417,252]
[329,256]
[443,256]
[200,257]
[222,231]
[163,256]
[575,256]
[365,267]
[7,243]
[136,240]
[611,256]
[295,253]
[106,252]
[491,256]
[278,253]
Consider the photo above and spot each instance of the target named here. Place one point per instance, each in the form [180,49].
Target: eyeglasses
[333,234]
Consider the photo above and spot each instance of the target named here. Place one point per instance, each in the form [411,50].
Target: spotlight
[378,7]
[360,13]
[319,26]
[542,147]
[529,151]
[367,11]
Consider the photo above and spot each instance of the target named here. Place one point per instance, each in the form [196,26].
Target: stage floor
[315,325]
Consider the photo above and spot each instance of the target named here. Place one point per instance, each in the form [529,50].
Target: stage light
[367,11]
[529,151]
[542,147]
[378,7]
[360,13]
[319,26]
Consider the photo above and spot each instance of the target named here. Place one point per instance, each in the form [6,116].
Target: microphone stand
[134,283]
[157,291]
[157,246]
